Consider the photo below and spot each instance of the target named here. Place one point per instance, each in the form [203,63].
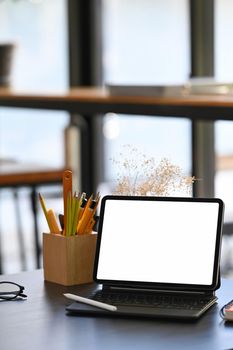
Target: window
[38,29]
[224,129]
[146,42]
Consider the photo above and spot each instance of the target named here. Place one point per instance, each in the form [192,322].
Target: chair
[15,175]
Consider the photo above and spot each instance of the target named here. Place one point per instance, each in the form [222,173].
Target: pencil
[67,187]
[76,204]
[83,202]
[68,215]
[91,222]
[53,221]
[89,212]
[43,205]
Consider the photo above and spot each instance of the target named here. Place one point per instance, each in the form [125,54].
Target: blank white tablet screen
[158,241]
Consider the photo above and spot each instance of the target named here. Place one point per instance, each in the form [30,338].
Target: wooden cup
[69,260]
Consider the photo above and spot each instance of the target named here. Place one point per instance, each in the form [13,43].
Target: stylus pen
[90,302]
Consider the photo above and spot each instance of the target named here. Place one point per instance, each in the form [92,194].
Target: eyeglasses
[11,290]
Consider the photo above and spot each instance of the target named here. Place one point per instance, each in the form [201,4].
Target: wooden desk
[98,100]
[40,322]
[87,102]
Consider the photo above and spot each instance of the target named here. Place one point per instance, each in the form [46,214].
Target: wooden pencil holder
[69,260]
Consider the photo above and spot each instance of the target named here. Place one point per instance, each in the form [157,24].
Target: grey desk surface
[40,322]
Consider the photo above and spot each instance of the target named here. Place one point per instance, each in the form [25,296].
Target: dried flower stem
[140,175]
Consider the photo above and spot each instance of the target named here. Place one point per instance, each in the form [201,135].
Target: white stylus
[90,302]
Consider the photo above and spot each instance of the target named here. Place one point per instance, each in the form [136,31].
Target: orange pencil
[87,218]
[91,221]
[82,205]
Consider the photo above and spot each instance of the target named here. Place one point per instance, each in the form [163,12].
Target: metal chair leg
[22,250]
[36,232]
[1,270]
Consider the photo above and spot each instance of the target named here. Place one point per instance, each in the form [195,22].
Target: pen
[90,302]
[61,220]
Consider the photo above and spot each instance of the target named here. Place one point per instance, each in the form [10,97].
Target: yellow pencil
[43,205]
[53,221]
[42,202]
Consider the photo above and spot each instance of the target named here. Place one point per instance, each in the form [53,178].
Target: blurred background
[63,43]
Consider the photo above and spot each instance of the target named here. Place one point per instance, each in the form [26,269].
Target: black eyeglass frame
[16,294]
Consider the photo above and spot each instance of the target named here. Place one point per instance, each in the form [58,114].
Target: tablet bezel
[158,285]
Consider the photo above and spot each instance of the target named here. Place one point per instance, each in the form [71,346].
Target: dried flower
[141,176]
